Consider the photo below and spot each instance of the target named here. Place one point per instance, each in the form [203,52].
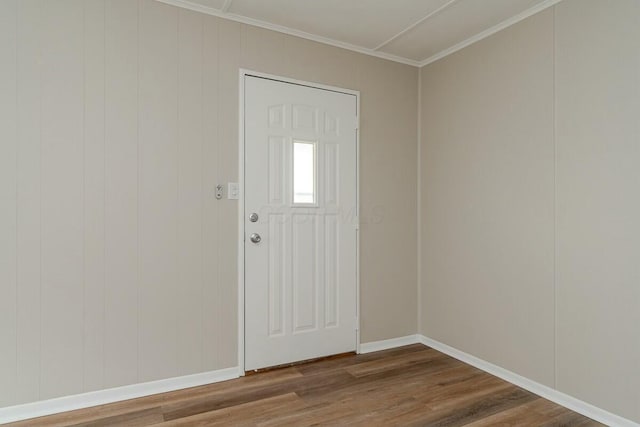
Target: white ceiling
[415,32]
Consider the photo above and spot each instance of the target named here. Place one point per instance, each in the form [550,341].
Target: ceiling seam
[186,4]
[190,5]
[415,24]
[226,6]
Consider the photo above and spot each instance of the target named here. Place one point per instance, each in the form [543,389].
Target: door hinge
[357,122]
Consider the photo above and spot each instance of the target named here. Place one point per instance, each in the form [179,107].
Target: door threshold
[300,362]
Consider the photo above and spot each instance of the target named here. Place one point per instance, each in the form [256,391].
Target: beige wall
[530,206]
[487,199]
[118,117]
[117,120]
[598,211]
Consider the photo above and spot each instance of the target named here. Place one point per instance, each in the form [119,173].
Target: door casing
[241,214]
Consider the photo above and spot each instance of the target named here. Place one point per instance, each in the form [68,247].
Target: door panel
[300,180]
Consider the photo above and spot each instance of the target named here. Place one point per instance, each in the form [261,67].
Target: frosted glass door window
[304,172]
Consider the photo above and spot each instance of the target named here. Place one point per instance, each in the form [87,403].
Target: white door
[300,222]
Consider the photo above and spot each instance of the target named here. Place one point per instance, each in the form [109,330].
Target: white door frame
[241,222]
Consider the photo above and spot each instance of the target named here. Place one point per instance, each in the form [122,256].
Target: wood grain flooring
[408,386]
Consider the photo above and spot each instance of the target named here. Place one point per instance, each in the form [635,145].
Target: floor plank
[246,414]
[412,385]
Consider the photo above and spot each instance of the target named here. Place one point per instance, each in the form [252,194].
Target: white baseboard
[549,393]
[101,397]
[85,400]
[370,347]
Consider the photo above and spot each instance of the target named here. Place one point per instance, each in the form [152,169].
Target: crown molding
[185,4]
[489,32]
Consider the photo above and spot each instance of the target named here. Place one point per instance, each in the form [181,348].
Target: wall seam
[17,175]
[138,191]
[178,139]
[40,67]
[419,207]
[202,195]
[555,210]
[84,193]
[104,194]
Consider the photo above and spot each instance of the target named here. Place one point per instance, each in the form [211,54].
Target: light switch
[233,192]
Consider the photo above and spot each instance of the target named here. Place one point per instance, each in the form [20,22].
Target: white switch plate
[233,192]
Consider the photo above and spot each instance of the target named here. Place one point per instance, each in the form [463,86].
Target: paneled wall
[117,120]
[530,203]
[487,199]
[598,203]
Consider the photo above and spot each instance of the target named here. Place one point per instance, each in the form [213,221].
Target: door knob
[255,238]
[253,217]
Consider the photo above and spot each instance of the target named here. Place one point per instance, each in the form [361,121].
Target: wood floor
[413,385]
